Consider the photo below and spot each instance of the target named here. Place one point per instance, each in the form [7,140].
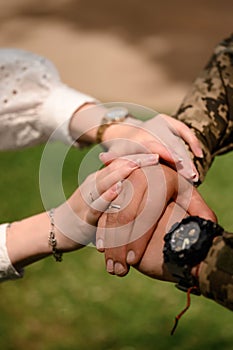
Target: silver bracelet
[52,238]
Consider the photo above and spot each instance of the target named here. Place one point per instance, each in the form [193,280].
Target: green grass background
[77,305]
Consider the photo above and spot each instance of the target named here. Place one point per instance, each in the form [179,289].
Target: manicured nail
[200,154]
[148,159]
[119,268]
[103,156]
[130,257]
[100,244]
[117,187]
[106,157]
[180,160]
[152,159]
[110,265]
[194,177]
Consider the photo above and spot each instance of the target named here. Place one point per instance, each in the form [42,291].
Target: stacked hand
[151,199]
[163,135]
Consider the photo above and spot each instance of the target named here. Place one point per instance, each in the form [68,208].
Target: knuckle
[111,219]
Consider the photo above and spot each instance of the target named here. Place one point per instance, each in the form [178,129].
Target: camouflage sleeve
[216,278]
[208,108]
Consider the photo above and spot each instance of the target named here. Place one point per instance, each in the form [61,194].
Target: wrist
[27,240]
[121,129]
[85,122]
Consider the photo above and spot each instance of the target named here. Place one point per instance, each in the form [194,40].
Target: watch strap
[185,280]
[106,122]
[102,128]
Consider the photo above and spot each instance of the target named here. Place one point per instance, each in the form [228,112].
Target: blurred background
[141,52]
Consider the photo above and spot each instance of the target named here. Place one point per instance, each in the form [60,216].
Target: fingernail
[117,187]
[102,156]
[100,244]
[119,268]
[152,159]
[148,159]
[200,154]
[194,177]
[130,257]
[180,160]
[110,265]
[106,157]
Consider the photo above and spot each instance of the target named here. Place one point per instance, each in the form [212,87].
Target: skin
[152,263]
[27,240]
[172,188]
[161,135]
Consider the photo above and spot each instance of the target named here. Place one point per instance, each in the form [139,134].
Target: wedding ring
[114,206]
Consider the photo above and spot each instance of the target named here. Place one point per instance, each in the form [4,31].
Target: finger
[175,146]
[100,205]
[117,234]
[107,157]
[187,134]
[135,236]
[140,159]
[136,249]
[100,233]
[116,261]
[119,224]
[121,168]
[150,210]
[177,155]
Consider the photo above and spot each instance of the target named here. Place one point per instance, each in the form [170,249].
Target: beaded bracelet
[52,238]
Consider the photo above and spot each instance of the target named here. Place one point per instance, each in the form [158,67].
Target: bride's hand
[76,219]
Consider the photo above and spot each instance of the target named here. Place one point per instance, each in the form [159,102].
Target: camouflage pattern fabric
[208,110]
[216,278]
[208,107]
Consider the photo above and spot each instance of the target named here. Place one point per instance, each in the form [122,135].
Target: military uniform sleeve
[208,107]
[34,101]
[216,277]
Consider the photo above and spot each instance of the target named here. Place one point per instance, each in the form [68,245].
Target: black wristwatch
[186,245]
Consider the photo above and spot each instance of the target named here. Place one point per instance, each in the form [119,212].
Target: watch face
[185,236]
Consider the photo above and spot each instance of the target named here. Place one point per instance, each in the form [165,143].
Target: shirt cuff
[58,109]
[7,270]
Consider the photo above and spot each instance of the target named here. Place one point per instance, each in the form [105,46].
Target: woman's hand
[77,218]
[163,135]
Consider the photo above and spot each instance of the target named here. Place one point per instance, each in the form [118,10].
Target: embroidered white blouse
[33,103]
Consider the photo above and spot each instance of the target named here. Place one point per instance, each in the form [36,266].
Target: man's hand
[124,234]
[152,263]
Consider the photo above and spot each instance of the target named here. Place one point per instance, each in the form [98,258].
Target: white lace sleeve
[33,100]
[7,270]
